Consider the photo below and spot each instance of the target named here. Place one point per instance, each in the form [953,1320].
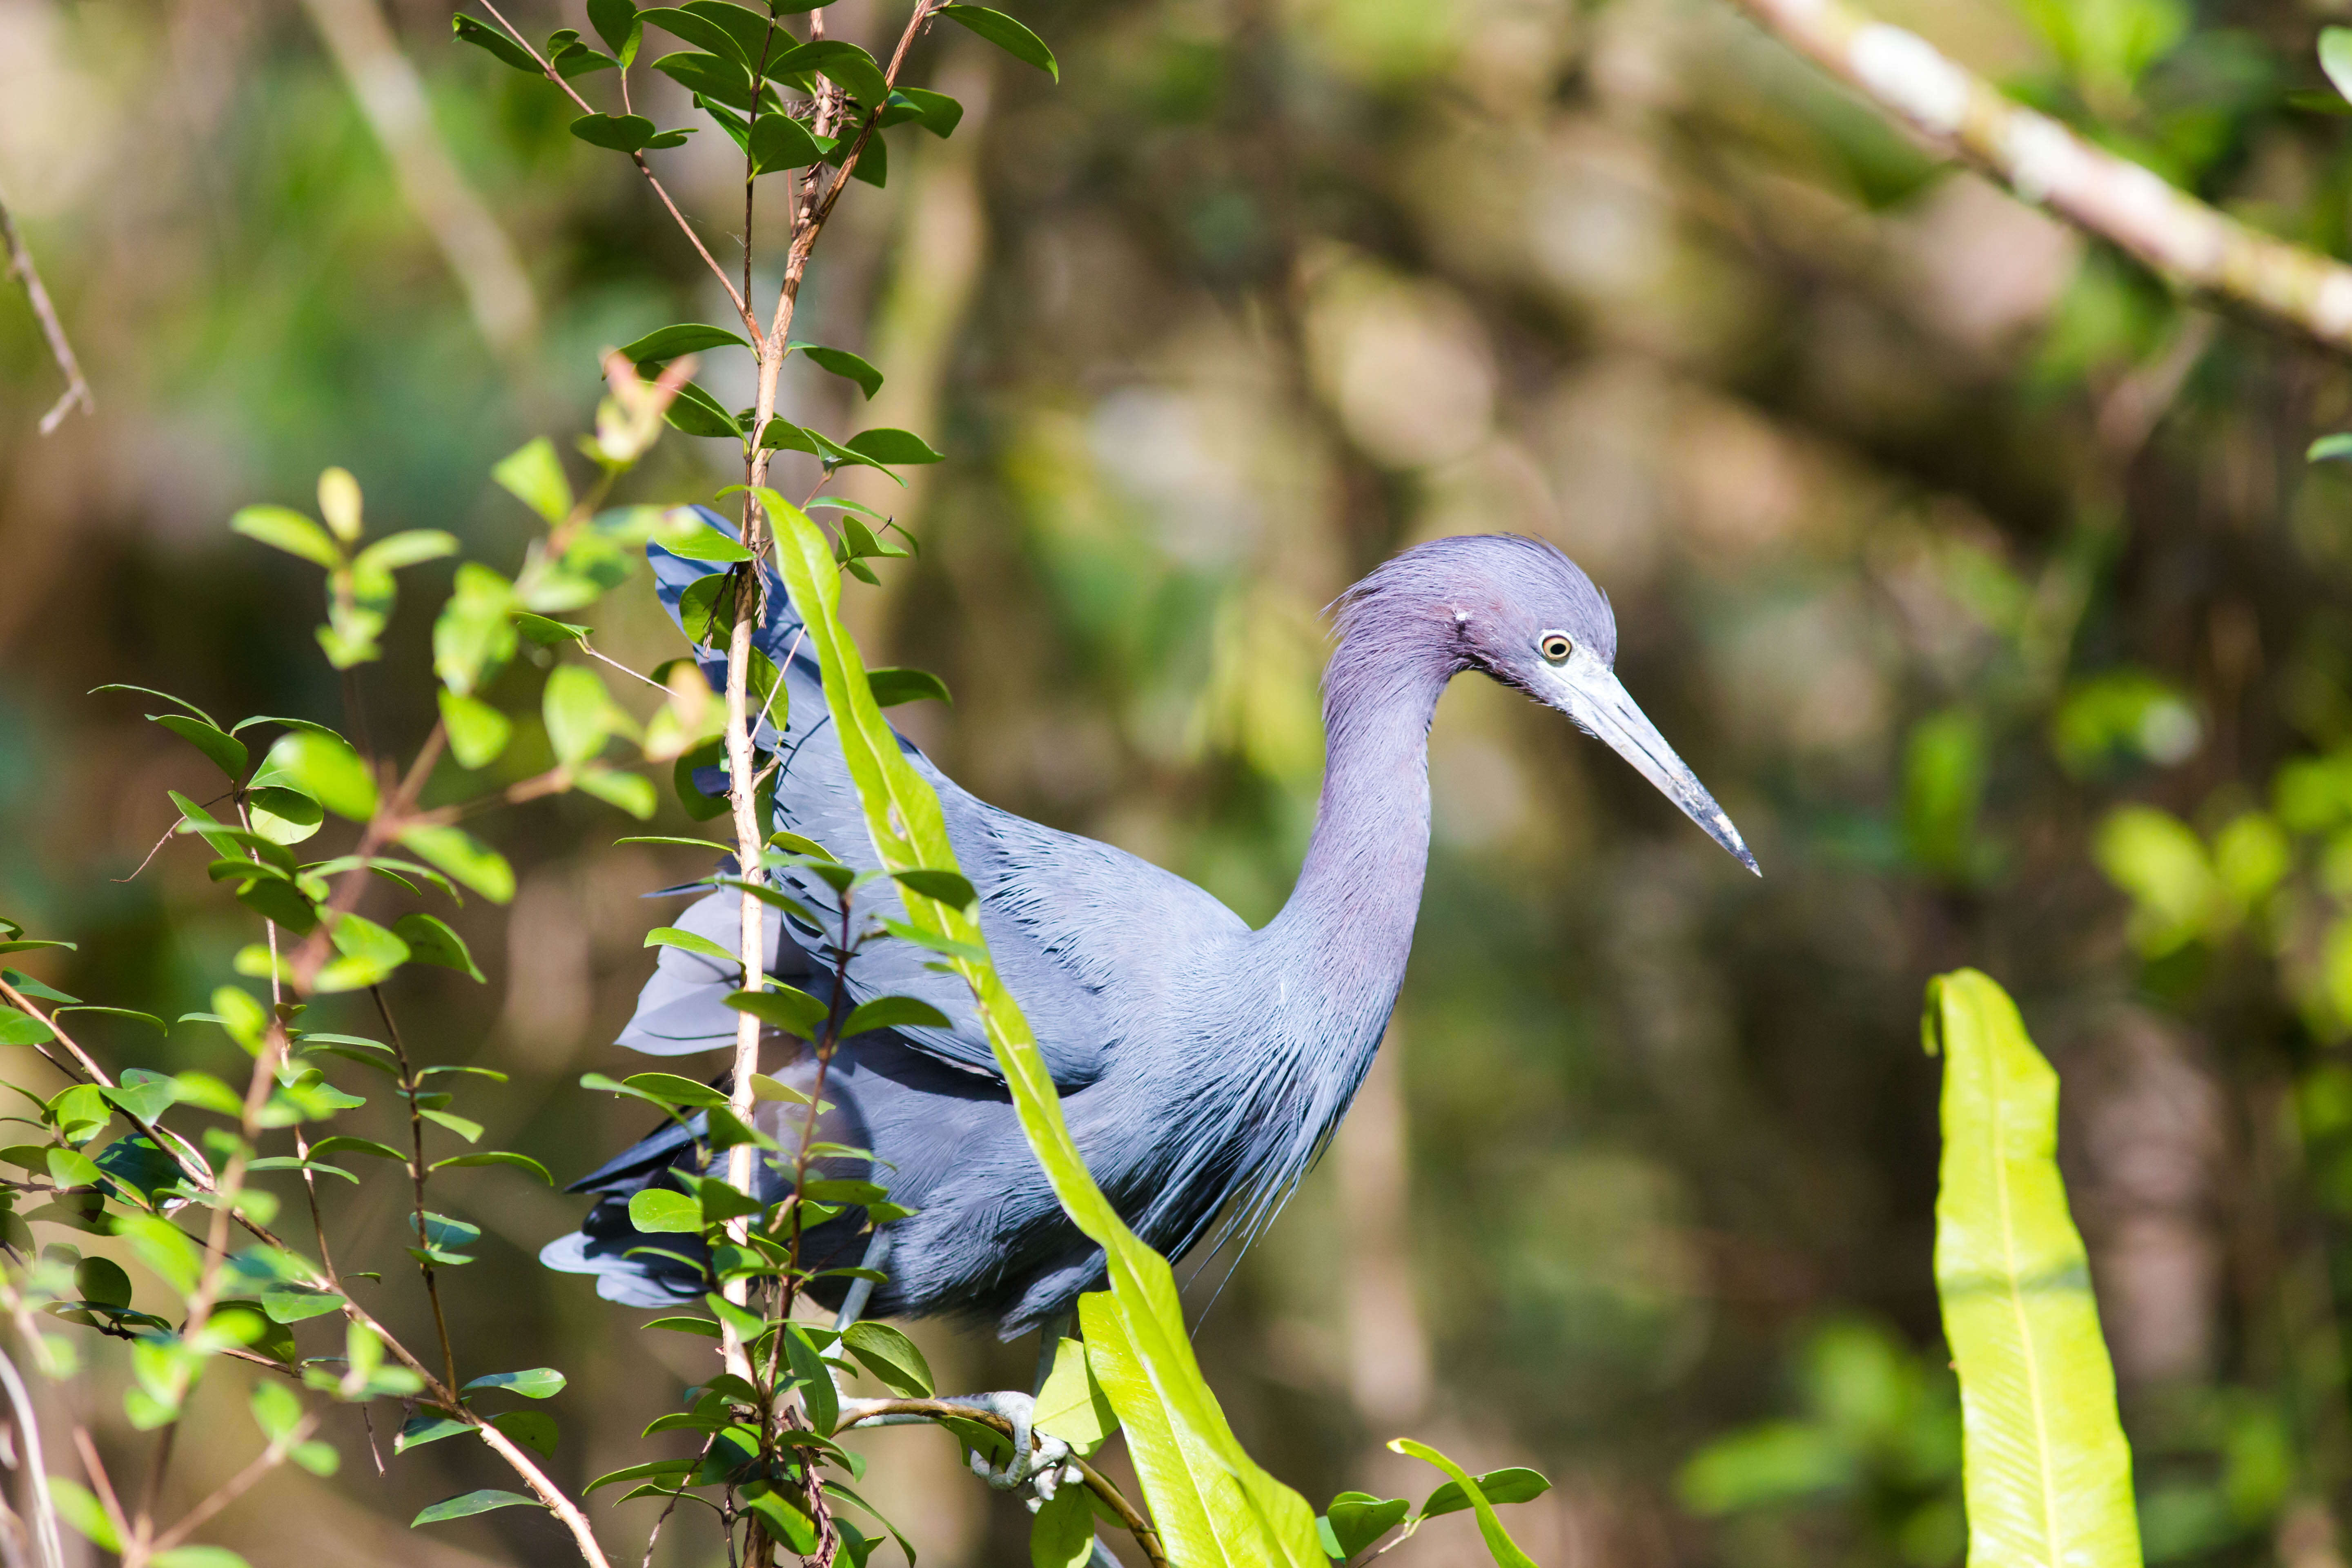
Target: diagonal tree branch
[20,267]
[2043,162]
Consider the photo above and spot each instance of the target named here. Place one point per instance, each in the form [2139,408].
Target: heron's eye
[1556,647]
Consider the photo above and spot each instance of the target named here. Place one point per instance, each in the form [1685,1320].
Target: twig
[410,1084]
[44,1512]
[238,1485]
[742,307]
[21,267]
[2045,162]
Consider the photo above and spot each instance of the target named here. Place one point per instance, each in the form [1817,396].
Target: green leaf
[78,1507]
[23,1029]
[687,942]
[633,793]
[534,475]
[818,1396]
[226,752]
[780,141]
[893,685]
[787,1008]
[539,1383]
[885,445]
[1499,1544]
[2335,58]
[198,1556]
[282,528]
[579,713]
[1062,1535]
[533,1428]
[1006,34]
[702,31]
[103,1280]
[892,1013]
[283,815]
[723,78]
[1213,1503]
[143,1094]
[2046,1468]
[671,1090]
[620,132]
[180,703]
[846,63]
[658,1211]
[368,955]
[324,767]
[935,111]
[2339,444]
[412,547]
[463,857]
[473,637]
[663,1469]
[357,1146]
[697,413]
[471,1503]
[478,733]
[666,344]
[843,364]
[482,35]
[470,1131]
[894,1361]
[948,887]
[697,541]
[1072,1405]
[1515,1484]
[431,941]
[495,1157]
[427,1427]
[702,1326]
[616,23]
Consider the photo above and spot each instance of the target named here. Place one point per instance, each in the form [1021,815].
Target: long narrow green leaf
[1212,1502]
[2046,1470]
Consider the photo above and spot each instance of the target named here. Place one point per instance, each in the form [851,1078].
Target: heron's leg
[852,1305]
[1035,1459]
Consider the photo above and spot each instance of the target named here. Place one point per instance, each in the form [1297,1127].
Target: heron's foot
[1037,1459]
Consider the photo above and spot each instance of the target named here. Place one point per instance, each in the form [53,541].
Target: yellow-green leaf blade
[2047,1472]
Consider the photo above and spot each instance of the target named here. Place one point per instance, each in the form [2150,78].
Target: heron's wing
[1063,914]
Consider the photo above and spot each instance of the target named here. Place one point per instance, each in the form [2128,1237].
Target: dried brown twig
[2043,162]
[20,268]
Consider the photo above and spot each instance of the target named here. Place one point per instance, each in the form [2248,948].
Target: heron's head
[1526,615]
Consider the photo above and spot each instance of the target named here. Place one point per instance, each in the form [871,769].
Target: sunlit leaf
[534,475]
[2046,1470]
[1006,34]
[282,528]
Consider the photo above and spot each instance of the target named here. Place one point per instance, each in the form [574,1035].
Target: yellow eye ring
[1556,647]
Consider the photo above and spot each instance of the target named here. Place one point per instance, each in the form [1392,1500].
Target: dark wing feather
[1061,912]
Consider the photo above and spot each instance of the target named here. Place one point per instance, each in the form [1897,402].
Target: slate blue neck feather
[1203,1065]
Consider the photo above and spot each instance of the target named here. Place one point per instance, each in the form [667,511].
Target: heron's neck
[1348,925]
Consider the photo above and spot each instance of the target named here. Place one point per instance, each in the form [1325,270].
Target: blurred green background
[1983,580]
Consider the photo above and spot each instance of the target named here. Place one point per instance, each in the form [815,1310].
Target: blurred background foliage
[1983,579]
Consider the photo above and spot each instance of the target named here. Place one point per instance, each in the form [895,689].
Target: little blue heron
[1203,1065]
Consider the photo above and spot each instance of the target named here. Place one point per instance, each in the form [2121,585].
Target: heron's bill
[1590,692]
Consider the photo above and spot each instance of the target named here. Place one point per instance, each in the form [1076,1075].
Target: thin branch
[410,1083]
[37,1469]
[742,307]
[20,267]
[2045,162]
[238,1485]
